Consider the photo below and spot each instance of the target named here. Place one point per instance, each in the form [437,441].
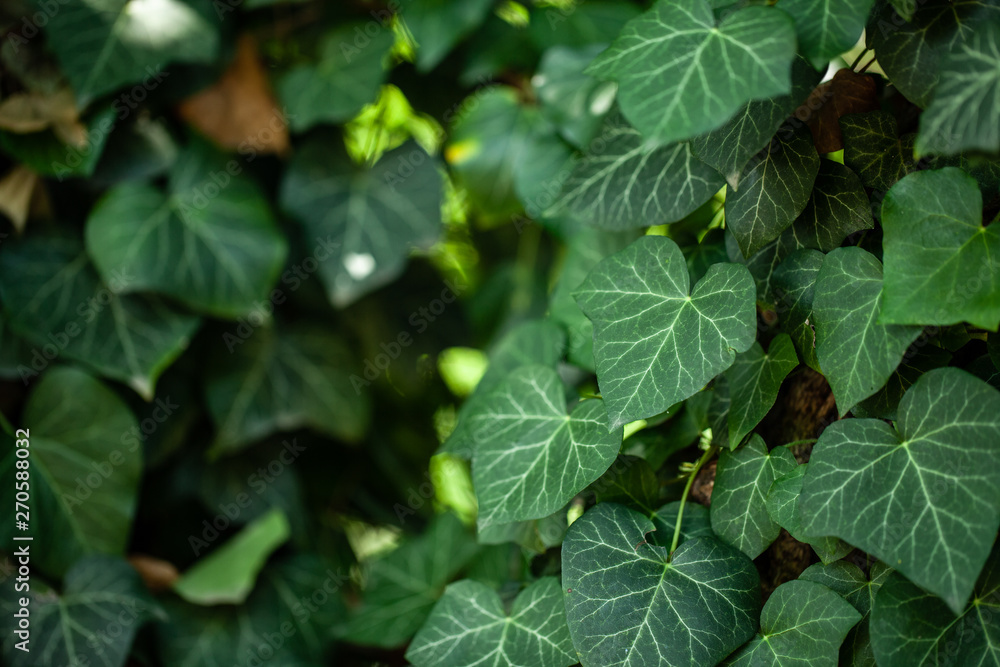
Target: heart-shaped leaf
[656,342]
[662,58]
[742,480]
[856,353]
[365,220]
[210,242]
[470,627]
[784,507]
[924,497]
[827,28]
[954,279]
[801,622]
[629,604]
[754,380]
[530,457]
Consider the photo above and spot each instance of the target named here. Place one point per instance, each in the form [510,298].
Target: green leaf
[827,28]
[84,481]
[742,480]
[101,596]
[49,287]
[912,627]
[228,574]
[581,24]
[754,380]
[773,192]
[837,208]
[625,185]
[696,522]
[916,362]
[220,254]
[574,102]
[628,603]
[729,147]
[873,148]
[585,249]
[856,353]
[346,78]
[530,457]
[437,25]
[801,623]
[655,341]
[630,481]
[957,277]
[924,498]
[910,52]
[104,44]
[470,627]
[783,505]
[533,342]
[858,588]
[795,281]
[537,535]
[662,61]
[281,380]
[365,221]
[966,101]
[404,585]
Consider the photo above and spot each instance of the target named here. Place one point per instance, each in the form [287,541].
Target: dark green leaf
[783,506]
[795,282]
[655,341]
[437,25]
[923,498]
[754,380]
[873,148]
[827,28]
[574,102]
[628,603]
[661,61]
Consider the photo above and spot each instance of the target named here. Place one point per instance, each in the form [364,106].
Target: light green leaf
[470,627]
[228,574]
[84,480]
[874,149]
[532,342]
[48,286]
[856,353]
[914,628]
[530,457]
[827,28]
[404,585]
[365,221]
[437,25]
[957,277]
[773,192]
[346,78]
[925,498]
[281,380]
[655,341]
[729,147]
[966,101]
[76,626]
[104,44]
[680,76]
[220,254]
[574,102]
[795,282]
[858,588]
[625,185]
[629,604]
[802,623]
[742,480]
[911,52]
[754,380]
[783,505]
[585,249]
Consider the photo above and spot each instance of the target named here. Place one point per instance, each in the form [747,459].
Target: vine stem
[709,453]
[808,441]
[858,59]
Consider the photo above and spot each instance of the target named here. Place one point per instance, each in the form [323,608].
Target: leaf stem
[860,56]
[865,68]
[709,453]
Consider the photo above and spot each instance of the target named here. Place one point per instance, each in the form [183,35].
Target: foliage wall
[492,332]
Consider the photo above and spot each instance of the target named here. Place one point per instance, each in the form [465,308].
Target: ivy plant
[500,332]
